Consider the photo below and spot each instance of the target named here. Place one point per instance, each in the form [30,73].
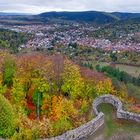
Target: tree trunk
[38,107]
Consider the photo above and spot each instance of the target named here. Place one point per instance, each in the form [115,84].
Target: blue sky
[38,6]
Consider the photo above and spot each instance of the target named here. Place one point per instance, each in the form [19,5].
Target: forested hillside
[48,95]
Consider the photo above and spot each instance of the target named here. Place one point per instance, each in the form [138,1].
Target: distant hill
[126,16]
[94,17]
[90,16]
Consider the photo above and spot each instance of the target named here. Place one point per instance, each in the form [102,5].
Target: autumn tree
[42,88]
[104,87]
[72,81]
[89,90]
[18,93]
[58,66]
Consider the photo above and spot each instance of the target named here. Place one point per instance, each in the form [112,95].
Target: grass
[114,126]
[110,126]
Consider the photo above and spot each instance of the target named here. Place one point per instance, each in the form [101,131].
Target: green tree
[7,118]
[9,69]
[42,89]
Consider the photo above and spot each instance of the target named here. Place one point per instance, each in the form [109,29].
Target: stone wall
[82,131]
[121,114]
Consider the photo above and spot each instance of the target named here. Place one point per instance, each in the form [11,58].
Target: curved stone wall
[106,99]
[121,114]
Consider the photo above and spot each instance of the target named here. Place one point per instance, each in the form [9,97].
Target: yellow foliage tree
[72,80]
[18,94]
[104,87]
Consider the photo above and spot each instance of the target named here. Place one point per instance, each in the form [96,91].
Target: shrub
[84,107]
[133,91]
[61,126]
[25,135]
[2,89]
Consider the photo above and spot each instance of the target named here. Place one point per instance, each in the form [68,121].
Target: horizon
[24,13]
[41,6]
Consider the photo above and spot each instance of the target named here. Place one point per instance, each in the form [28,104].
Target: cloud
[38,6]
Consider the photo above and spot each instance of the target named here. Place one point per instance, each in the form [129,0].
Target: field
[132,70]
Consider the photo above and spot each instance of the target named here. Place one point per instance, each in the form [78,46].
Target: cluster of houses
[46,36]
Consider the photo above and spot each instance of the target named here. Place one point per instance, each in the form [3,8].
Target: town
[51,34]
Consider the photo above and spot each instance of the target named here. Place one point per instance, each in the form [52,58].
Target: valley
[53,66]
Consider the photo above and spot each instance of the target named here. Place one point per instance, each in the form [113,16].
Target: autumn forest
[43,96]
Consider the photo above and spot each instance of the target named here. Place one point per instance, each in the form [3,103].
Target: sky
[39,6]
